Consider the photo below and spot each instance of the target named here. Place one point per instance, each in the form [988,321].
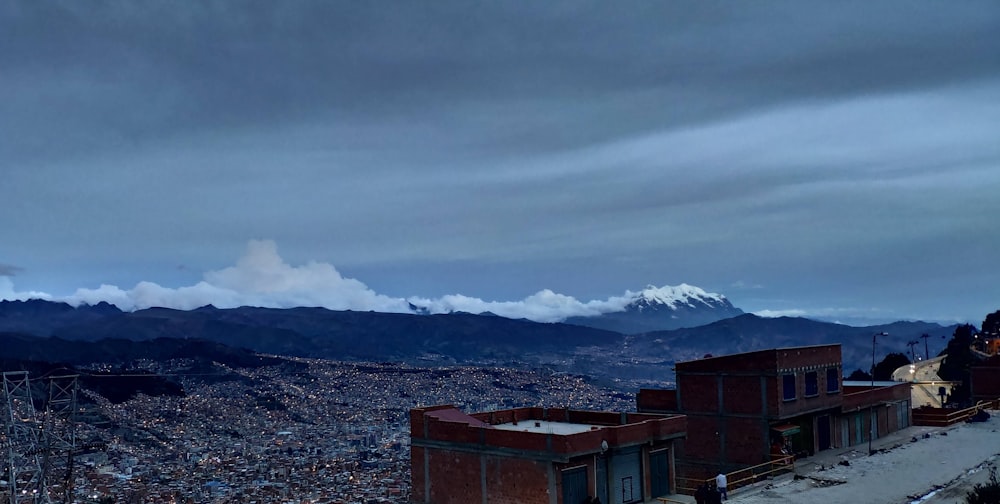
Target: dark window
[788,387]
[812,384]
[832,380]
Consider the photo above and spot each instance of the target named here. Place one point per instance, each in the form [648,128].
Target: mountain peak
[673,296]
[660,308]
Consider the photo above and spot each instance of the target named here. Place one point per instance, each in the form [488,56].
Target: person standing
[701,495]
[720,483]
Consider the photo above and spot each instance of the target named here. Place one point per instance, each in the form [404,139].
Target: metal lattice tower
[59,437]
[24,475]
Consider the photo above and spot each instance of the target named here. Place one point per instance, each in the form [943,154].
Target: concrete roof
[547,427]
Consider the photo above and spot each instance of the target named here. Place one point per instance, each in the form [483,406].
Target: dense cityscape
[309,431]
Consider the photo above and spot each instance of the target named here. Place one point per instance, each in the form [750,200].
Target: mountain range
[656,328]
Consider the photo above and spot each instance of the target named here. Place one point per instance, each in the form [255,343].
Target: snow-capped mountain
[660,308]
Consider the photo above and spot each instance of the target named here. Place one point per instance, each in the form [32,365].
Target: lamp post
[871,403]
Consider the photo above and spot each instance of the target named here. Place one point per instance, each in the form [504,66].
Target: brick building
[541,456]
[743,408]
[984,379]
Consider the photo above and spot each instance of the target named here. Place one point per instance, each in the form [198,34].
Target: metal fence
[779,464]
[943,417]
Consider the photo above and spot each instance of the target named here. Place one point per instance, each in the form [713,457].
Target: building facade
[984,379]
[744,408]
[541,456]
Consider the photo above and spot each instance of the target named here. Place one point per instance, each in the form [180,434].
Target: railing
[668,500]
[941,417]
[741,477]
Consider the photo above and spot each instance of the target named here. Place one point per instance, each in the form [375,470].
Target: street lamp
[871,403]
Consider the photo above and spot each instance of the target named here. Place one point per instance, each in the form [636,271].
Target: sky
[836,160]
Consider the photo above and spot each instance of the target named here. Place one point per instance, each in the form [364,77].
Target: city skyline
[830,161]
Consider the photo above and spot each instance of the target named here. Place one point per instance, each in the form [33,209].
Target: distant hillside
[662,308]
[87,334]
[311,332]
[749,332]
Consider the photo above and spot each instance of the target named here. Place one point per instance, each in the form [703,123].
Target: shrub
[985,493]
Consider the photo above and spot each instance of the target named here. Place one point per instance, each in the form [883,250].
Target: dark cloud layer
[9,270]
[832,154]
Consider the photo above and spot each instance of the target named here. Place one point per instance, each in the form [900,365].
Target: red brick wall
[751,361]
[513,481]
[808,356]
[699,393]
[454,477]
[702,440]
[416,474]
[986,382]
[745,443]
[417,418]
[656,400]
[855,398]
[741,395]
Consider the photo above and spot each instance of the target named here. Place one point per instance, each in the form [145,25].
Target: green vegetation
[985,493]
[957,365]
[883,370]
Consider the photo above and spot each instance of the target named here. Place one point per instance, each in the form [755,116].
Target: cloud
[543,306]
[842,315]
[259,278]
[8,293]
[8,270]
[781,313]
[262,278]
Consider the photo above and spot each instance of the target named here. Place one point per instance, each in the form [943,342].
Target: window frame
[835,373]
[785,389]
[811,386]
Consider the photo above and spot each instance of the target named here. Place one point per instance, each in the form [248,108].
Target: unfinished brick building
[984,379]
[741,407]
[541,456]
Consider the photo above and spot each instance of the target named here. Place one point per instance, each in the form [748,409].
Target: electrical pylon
[59,439]
[35,449]
[24,474]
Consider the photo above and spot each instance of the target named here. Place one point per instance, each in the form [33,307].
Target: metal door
[574,485]
[626,477]
[823,426]
[659,473]
[601,474]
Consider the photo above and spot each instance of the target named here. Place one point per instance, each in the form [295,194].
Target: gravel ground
[934,470]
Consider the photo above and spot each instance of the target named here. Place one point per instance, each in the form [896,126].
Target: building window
[788,387]
[812,384]
[832,381]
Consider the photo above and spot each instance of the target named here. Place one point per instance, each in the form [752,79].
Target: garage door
[659,473]
[626,470]
[574,484]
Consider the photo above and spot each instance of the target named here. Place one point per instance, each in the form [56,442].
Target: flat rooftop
[547,427]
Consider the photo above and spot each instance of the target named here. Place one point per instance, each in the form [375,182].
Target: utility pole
[913,355]
[927,354]
[872,420]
